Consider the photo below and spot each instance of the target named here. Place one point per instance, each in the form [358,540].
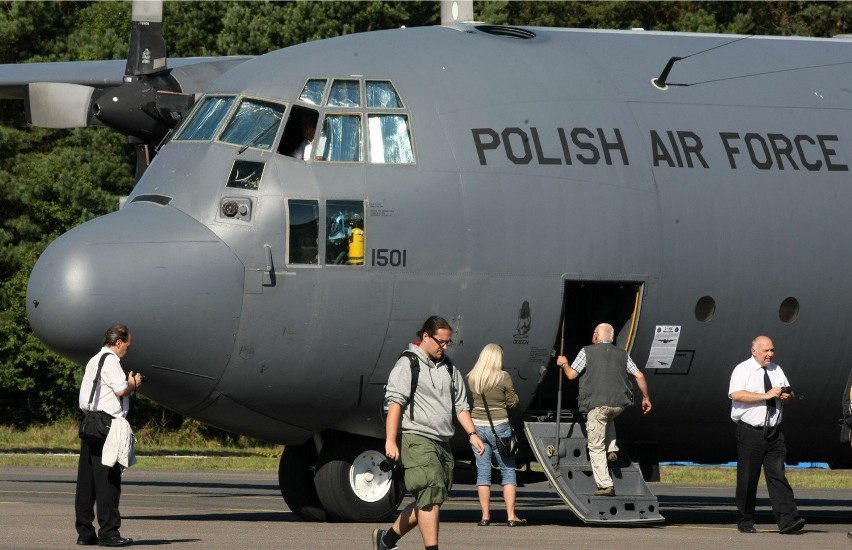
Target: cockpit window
[202,123]
[390,139]
[381,94]
[345,93]
[340,139]
[354,120]
[313,90]
[254,124]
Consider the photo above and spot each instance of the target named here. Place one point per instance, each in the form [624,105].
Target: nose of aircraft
[166,276]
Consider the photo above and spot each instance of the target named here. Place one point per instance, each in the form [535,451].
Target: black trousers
[753,452]
[97,484]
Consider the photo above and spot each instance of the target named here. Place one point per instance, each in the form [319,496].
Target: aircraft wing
[143,97]
[193,73]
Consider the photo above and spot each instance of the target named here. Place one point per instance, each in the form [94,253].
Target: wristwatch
[471,433]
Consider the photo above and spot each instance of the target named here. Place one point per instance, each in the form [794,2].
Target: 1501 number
[388,257]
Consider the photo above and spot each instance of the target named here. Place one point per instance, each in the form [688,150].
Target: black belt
[747,425]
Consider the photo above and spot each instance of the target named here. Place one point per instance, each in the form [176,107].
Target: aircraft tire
[296,481]
[351,485]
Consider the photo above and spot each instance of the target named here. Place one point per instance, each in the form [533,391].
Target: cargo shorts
[428,466]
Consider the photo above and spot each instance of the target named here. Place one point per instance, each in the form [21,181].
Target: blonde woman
[489,379]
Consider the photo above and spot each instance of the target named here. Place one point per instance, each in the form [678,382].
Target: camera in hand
[786,389]
[387,465]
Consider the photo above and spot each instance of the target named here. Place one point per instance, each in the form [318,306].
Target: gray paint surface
[488,226]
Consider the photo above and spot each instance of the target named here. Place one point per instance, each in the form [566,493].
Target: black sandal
[517,522]
[484,522]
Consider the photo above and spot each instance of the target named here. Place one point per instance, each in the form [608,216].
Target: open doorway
[298,131]
[846,421]
[585,304]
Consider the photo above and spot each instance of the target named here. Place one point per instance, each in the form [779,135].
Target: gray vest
[604,381]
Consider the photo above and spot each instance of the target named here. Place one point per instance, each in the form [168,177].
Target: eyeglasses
[442,343]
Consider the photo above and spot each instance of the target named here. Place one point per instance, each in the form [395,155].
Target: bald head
[603,333]
[763,350]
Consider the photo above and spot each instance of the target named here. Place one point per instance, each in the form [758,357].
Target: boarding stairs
[565,461]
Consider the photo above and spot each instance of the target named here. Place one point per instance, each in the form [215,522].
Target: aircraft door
[846,422]
[585,304]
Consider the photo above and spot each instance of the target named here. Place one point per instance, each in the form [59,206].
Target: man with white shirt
[98,484]
[305,148]
[758,391]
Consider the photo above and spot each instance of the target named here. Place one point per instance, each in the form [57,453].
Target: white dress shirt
[748,376]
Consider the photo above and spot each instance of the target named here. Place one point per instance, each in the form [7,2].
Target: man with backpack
[424,390]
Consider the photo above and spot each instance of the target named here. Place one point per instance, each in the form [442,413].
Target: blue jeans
[483,461]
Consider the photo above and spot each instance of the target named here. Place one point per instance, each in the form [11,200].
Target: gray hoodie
[433,406]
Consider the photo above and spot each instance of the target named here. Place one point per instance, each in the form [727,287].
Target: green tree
[48,188]
[50,181]
[763,18]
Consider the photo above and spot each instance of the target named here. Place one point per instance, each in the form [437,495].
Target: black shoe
[793,527]
[87,540]
[117,540]
[746,529]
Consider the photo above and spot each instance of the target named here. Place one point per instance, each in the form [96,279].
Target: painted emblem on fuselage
[524,323]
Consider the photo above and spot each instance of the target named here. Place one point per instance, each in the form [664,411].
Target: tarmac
[226,509]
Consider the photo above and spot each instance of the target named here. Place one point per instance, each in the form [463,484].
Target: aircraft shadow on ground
[161,542]
[539,507]
[282,516]
[544,508]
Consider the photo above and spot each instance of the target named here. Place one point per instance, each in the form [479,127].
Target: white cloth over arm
[119,445]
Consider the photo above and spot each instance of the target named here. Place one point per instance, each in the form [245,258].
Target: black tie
[767,385]
[770,403]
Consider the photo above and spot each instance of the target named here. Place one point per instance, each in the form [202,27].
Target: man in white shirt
[305,148]
[96,483]
[758,391]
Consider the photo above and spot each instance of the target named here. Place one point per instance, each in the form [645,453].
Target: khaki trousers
[601,433]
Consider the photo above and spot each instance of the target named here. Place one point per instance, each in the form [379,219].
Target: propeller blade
[59,105]
[147,53]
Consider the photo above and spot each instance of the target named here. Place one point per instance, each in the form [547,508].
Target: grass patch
[57,446]
[150,462]
[709,476]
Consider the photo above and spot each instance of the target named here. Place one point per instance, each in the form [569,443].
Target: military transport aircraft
[525,183]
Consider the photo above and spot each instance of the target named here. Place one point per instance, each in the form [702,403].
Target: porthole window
[789,310]
[705,309]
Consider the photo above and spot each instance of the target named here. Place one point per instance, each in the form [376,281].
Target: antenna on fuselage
[454,12]
[660,81]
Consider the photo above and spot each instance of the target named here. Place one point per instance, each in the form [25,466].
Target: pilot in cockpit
[305,148]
